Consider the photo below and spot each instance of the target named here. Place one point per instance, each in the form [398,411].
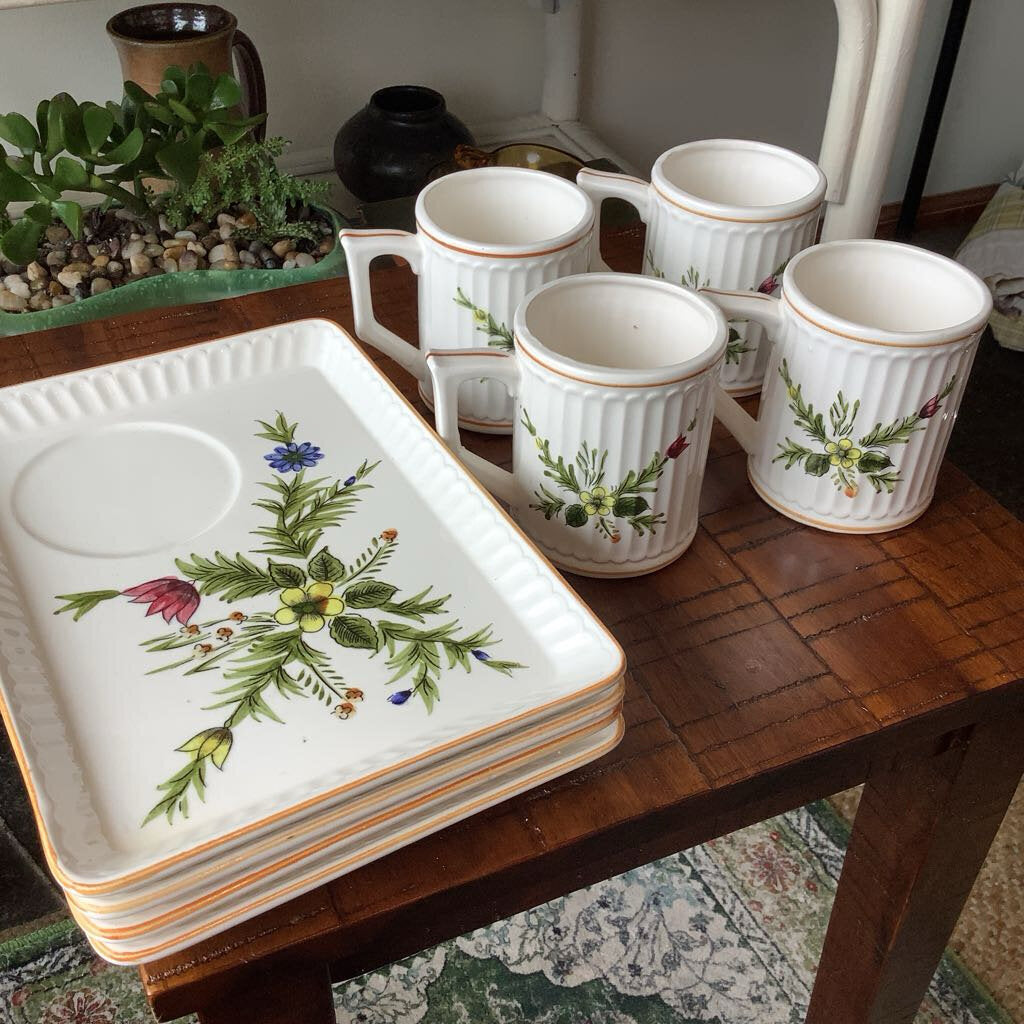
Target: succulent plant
[112,150]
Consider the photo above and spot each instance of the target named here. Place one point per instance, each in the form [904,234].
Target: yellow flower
[842,454]
[214,744]
[596,502]
[310,607]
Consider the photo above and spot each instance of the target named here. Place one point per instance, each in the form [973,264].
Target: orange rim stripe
[305,884]
[474,757]
[736,220]
[177,913]
[876,341]
[508,255]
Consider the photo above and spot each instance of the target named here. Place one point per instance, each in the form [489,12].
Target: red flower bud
[769,285]
[930,408]
[677,447]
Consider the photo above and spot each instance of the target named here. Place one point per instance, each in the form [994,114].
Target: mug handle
[361,246]
[601,185]
[766,310]
[252,80]
[448,369]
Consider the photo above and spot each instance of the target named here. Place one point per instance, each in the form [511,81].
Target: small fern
[245,176]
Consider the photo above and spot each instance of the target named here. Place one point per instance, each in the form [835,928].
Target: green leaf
[873,462]
[816,465]
[136,93]
[286,575]
[40,213]
[576,516]
[127,150]
[325,568]
[180,160]
[182,111]
[18,131]
[161,114]
[54,129]
[85,601]
[68,173]
[226,92]
[13,187]
[20,243]
[229,134]
[98,123]
[355,631]
[174,80]
[70,117]
[70,213]
[41,110]
[369,594]
[199,89]
[232,578]
[630,506]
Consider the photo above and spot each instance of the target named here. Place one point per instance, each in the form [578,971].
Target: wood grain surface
[771,665]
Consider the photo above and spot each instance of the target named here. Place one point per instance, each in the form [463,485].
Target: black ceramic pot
[389,148]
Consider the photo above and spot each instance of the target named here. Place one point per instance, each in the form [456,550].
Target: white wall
[322,58]
[656,72]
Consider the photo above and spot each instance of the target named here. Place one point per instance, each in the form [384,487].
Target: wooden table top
[771,665]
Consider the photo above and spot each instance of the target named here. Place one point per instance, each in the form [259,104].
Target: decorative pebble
[197,247]
[226,231]
[154,249]
[79,267]
[246,220]
[39,301]
[283,247]
[288,265]
[225,218]
[57,233]
[246,258]
[100,285]
[18,287]
[149,238]
[11,303]
[168,265]
[100,260]
[54,288]
[69,278]
[190,261]
[56,259]
[62,300]
[303,259]
[141,263]
[224,251]
[115,268]
[133,248]
[188,236]
[224,264]
[325,246]
[80,252]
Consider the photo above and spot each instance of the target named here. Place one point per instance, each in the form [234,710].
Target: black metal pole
[944,67]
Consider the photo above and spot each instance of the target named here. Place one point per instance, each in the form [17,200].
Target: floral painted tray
[239,578]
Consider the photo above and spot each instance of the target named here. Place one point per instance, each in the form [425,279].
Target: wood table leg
[920,837]
[279,994]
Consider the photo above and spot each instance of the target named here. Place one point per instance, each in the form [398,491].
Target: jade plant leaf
[68,173]
[21,240]
[70,213]
[98,123]
[127,150]
[226,92]
[18,131]
[13,187]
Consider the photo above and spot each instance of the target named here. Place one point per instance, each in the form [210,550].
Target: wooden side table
[770,666]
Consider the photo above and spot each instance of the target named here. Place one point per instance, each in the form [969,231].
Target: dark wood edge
[941,208]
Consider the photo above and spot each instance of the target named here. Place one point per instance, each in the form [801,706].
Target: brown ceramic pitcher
[153,37]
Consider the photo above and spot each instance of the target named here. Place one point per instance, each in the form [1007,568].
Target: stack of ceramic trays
[293,635]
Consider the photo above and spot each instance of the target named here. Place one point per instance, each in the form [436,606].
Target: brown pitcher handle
[250,76]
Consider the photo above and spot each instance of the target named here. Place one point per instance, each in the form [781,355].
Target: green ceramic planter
[179,289]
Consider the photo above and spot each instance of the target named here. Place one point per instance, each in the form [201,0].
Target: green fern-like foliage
[245,175]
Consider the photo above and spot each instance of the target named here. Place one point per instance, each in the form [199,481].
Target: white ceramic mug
[723,213]
[613,377]
[484,239]
[873,345]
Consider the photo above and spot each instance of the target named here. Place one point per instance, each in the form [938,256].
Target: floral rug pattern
[726,933]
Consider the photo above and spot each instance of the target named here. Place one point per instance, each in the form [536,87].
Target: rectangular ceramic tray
[439,813]
[274,583]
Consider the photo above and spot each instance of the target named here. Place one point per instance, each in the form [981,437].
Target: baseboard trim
[942,208]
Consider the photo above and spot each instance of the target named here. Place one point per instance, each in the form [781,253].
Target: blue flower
[290,458]
[480,655]
[399,696]
[350,481]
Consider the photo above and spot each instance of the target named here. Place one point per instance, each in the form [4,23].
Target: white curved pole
[899,27]
[855,57]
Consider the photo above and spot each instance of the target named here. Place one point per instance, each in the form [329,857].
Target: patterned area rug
[726,933]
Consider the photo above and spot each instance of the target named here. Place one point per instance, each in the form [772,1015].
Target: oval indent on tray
[129,489]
